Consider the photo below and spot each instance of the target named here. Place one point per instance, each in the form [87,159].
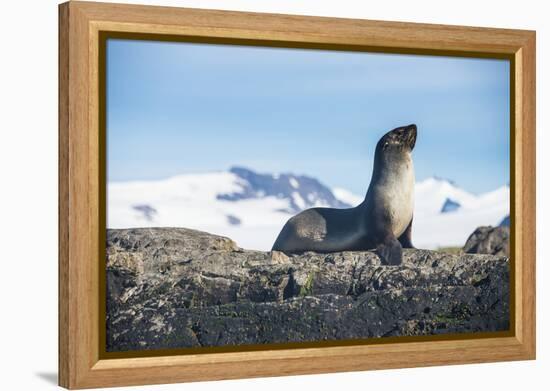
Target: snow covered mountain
[445,215]
[251,208]
[301,192]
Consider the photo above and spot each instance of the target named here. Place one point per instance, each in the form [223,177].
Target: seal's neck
[391,173]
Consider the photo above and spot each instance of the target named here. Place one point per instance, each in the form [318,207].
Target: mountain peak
[241,171]
[436,178]
[301,191]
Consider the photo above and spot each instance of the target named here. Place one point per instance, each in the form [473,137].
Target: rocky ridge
[176,288]
[489,240]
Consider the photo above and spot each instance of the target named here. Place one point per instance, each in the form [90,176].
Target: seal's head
[399,140]
[395,147]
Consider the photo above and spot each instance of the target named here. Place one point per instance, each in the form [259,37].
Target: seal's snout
[402,138]
[410,135]
[410,128]
[406,135]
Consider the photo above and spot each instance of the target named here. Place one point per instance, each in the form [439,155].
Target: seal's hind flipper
[390,252]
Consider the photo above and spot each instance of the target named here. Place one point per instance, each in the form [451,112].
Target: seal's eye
[386,145]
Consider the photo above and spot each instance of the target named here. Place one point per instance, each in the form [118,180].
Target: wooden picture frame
[81,24]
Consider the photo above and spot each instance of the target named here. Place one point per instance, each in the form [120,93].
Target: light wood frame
[80,24]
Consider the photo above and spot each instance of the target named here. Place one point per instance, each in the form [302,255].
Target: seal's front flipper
[406,237]
[390,252]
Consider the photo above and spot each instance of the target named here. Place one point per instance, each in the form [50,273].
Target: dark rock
[450,206]
[233,220]
[147,211]
[175,288]
[489,240]
[505,222]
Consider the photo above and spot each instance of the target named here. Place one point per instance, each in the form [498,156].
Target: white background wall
[28,195]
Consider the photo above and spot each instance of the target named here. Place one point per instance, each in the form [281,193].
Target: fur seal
[383,221]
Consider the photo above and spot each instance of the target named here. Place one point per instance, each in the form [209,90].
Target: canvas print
[263,196]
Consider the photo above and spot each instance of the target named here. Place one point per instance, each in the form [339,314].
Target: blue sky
[174,108]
